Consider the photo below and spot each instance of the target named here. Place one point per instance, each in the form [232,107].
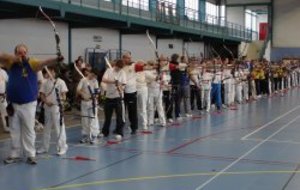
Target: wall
[83,38]
[36,34]
[139,46]
[236,15]
[163,46]
[194,48]
[286,19]
[286,41]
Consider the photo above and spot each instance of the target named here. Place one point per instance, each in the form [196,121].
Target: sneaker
[31,161]
[41,151]
[62,151]
[188,115]
[84,139]
[100,135]
[179,118]
[11,160]
[118,137]
[170,120]
[93,140]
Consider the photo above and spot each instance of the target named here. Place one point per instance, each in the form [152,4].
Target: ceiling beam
[248,4]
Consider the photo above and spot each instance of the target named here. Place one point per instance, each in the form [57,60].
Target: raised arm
[49,62]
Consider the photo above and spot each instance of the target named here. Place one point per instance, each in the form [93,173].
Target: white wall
[83,38]
[163,46]
[236,15]
[36,34]
[139,46]
[268,52]
[286,23]
[194,48]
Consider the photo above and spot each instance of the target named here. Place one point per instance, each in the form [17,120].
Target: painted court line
[269,123]
[160,177]
[244,155]
[275,141]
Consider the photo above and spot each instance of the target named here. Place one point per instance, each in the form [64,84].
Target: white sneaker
[170,120]
[118,137]
[62,151]
[179,118]
[188,115]
[41,151]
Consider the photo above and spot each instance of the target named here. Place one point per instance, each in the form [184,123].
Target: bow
[56,35]
[228,50]
[155,52]
[89,88]
[152,44]
[58,53]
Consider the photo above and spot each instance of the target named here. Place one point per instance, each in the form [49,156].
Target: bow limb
[152,44]
[57,38]
[93,98]
[228,50]
[107,62]
[79,72]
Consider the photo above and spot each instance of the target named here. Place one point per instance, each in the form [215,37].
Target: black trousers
[130,100]
[195,94]
[277,84]
[110,106]
[167,101]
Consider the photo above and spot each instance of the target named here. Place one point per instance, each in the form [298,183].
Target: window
[191,9]
[251,20]
[167,7]
[215,14]
[139,4]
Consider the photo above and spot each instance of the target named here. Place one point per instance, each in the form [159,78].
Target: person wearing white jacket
[142,97]
[205,83]
[3,102]
[88,90]
[50,89]
[155,95]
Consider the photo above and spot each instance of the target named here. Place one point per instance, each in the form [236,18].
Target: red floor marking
[196,117]
[111,142]
[146,132]
[217,113]
[81,158]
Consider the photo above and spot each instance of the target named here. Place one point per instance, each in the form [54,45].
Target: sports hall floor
[256,147]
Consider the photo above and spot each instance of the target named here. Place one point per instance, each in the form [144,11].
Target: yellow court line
[110,181]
